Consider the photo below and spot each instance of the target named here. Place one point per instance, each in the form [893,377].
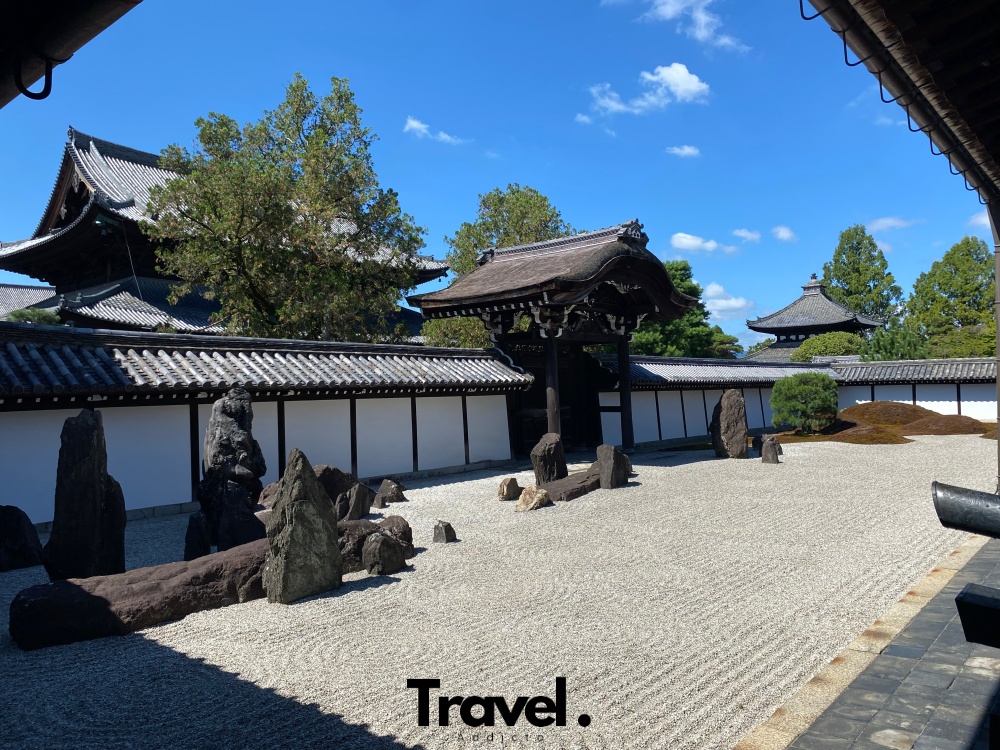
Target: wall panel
[755,412]
[440,437]
[489,437]
[671,418]
[322,430]
[852,395]
[385,437]
[611,421]
[979,401]
[939,397]
[901,393]
[694,411]
[644,426]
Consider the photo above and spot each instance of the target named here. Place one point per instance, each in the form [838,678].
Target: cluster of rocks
[728,430]
[553,482]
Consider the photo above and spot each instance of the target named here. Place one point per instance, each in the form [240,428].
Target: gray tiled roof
[813,310]
[18,296]
[649,373]
[917,371]
[50,360]
[776,352]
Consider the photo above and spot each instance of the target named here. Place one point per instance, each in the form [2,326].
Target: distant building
[811,314]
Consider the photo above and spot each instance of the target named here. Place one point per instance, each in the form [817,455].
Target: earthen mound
[885,413]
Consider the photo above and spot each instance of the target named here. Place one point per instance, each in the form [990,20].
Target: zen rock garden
[728,430]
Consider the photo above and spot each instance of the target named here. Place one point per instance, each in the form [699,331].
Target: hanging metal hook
[918,129]
[802,11]
[46,86]
[881,90]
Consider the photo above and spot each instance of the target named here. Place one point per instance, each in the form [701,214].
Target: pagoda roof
[778,352]
[19,296]
[563,271]
[813,312]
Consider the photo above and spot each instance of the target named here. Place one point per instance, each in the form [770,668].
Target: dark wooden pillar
[552,384]
[625,393]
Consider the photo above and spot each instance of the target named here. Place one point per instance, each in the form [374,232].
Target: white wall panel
[671,418]
[939,397]
[755,411]
[852,395]
[149,453]
[765,394]
[711,399]
[902,394]
[322,430]
[644,426]
[611,421]
[979,401]
[385,437]
[440,437]
[265,432]
[489,436]
[694,412]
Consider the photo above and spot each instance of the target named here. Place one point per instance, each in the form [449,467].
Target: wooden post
[625,393]
[552,383]
[993,212]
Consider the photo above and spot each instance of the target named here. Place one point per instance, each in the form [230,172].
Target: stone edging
[802,709]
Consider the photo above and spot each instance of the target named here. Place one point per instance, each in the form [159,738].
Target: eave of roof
[671,373]
[811,312]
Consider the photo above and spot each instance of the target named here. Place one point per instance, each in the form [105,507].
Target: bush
[35,315]
[807,401]
[834,344]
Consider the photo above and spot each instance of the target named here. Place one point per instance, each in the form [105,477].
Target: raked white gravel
[682,610]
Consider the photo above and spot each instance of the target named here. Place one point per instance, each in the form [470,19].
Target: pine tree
[858,276]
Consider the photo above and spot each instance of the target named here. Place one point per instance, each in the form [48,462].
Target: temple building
[89,246]
[811,314]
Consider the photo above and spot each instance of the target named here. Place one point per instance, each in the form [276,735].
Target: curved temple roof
[813,312]
[563,271]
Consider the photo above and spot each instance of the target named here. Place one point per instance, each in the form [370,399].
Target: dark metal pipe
[967,510]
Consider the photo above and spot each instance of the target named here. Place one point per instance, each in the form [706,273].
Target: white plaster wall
[611,422]
[979,401]
[149,453]
[29,453]
[851,395]
[644,427]
[765,394]
[385,438]
[440,437]
[322,430]
[694,411]
[671,418]
[489,436]
[900,393]
[755,412]
[265,432]
[939,397]
[711,399]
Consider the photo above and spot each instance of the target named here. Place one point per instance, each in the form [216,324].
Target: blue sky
[733,130]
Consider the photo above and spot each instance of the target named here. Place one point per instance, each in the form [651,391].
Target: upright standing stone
[770,449]
[613,467]
[303,556]
[509,489]
[729,426]
[383,554]
[548,459]
[19,544]
[351,499]
[88,527]
[443,532]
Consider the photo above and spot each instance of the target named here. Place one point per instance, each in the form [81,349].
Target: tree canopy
[952,303]
[760,345]
[833,344]
[506,217]
[807,401]
[898,341]
[858,276]
[283,220]
[690,335]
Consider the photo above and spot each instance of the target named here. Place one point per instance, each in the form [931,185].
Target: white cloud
[783,233]
[694,243]
[747,235]
[665,84]
[889,222]
[980,220]
[884,246]
[694,19]
[724,306]
[685,152]
[582,119]
[422,130]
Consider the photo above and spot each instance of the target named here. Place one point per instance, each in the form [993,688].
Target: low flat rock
[389,492]
[532,498]
[575,485]
[383,554]
[81,609]
[19,543]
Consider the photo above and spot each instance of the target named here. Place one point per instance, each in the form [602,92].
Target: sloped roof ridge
[115,150]
[581,238]
[904,362]
[653,359]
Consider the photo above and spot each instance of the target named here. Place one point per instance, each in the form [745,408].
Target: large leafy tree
[858,276]
[952,303]
[833,344]
[760,345]
[807,401]
[283,220]
[506,217]
[898,341]
[687,336]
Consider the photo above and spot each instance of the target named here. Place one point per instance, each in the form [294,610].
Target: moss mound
[991,433]
[869,434]
[886,413]
[951,424]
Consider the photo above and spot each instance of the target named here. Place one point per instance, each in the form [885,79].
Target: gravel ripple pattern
[682,610]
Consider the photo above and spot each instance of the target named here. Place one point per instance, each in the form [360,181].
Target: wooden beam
[625,393]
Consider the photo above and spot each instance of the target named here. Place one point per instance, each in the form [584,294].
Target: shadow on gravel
[678,458]
[132,692]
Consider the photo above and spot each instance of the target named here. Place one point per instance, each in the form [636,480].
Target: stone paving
[927,690]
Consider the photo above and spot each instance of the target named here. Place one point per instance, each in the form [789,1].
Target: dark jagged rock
[729,426]
[230,455]
[389,492]
[575,485]
[509,489]
[303,557]
[268,495]
[354,533]
[443,532]
[68,611]
[612,467]
[770,450]
[757,443]
[399,528]
[351,498]
[237,522]
[88,526]
[548,459]
[198,539]
[19,544]
[383,554]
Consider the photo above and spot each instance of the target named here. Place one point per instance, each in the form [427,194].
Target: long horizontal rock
[573,486]
[81,609]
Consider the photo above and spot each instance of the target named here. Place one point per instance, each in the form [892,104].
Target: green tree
[952,303]
[833,344]
[858,276]
[760,346]
[806,401]
[687,336]
[898,341]
[515,216]
[284,221]
[35,315]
